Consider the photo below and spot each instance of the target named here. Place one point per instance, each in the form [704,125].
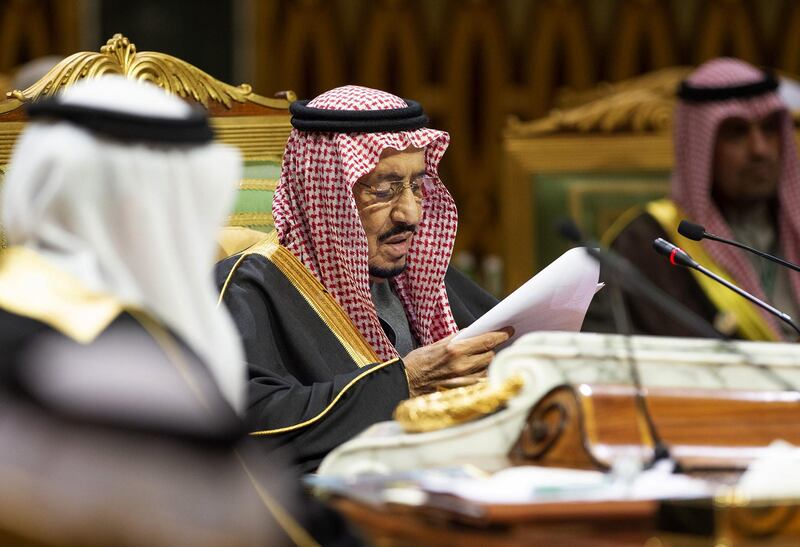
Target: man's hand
[429,365]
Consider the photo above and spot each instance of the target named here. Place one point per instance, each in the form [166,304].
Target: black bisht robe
[195,445]
[307,392]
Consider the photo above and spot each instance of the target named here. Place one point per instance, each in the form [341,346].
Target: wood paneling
[472,63]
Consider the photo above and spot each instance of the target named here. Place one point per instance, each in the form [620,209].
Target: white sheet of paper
[556,298]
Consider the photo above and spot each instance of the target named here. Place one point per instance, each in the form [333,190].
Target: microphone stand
[762,254]
[641,287]
[622,321]
[785,317]
[679,257]
[696,232]
[620,269]
[618,309]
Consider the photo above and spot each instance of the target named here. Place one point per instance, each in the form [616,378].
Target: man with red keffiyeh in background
[350,305]
[735,173]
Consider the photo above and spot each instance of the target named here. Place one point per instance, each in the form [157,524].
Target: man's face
[747,159]
[390,220]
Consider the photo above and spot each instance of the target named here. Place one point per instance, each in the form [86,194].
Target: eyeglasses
[389,190]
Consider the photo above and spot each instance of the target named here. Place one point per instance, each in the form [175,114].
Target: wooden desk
[448,522]
[557,524]
[712,433]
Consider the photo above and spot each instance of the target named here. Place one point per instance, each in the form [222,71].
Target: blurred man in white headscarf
[111,205]
[352,306]
[121,380]
[735,173]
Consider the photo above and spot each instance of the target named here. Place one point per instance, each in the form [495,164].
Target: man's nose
[759,144]
[406,208]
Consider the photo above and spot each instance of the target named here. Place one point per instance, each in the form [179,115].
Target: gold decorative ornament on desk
[454,406]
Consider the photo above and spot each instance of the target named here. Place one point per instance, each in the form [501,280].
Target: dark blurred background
[472,63]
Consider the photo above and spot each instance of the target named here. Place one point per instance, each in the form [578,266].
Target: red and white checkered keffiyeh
[696,126]
[317,219]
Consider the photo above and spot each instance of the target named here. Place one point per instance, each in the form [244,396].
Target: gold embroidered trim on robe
[325,307]
[327,409]
[315,294]
[31,287]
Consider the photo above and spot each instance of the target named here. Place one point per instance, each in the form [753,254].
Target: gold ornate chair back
[257,125]
[602,152]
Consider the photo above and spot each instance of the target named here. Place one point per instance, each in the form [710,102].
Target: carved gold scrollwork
[638,105]
[119,56]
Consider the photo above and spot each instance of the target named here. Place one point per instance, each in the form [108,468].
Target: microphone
[676,255]
[632,280]
[569,230]
[679,257]
[697,232]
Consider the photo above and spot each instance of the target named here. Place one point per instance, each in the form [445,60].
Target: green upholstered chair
[258,126]
[254,202]
[610,150]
